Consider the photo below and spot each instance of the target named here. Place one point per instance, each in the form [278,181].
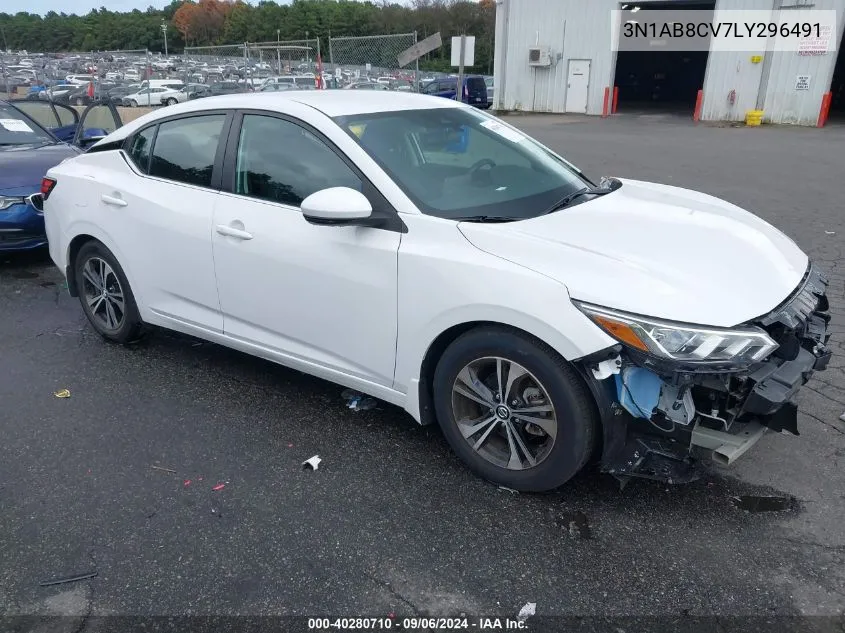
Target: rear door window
[140,148]
[185,149]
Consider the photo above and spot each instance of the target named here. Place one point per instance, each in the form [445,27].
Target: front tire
[105,295]
[172,101]
[513,410]
[133,103]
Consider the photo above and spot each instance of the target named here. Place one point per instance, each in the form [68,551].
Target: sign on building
[802,82]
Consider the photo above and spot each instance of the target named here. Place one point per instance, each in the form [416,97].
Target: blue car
[35,136]
[474,91]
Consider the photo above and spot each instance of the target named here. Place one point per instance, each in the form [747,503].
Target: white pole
[459,88]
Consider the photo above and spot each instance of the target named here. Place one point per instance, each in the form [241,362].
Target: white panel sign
[469,51]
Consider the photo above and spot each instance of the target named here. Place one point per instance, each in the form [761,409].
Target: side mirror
[337,205]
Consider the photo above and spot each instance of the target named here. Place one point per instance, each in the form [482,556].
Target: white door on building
[577,83]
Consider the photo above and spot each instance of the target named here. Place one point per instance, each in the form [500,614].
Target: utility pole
[164,30]
[308,52]
[279,49]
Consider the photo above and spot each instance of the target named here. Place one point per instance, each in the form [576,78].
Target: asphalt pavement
[119,478]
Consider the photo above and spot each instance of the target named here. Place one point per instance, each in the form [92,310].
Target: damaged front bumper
[661,419]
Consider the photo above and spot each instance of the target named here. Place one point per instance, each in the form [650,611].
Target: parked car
[474,90]
[180,95]
[57,91]
[278,87]
[488,81]
[367,85]
[144,97]
[540,317]
[30,133]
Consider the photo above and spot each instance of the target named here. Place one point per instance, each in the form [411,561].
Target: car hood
[25,166]
[658,251]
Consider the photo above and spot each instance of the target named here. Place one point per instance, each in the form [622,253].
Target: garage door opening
[662,81]
[837,90]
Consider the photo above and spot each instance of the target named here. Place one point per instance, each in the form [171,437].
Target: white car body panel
[361,306]
[649,249]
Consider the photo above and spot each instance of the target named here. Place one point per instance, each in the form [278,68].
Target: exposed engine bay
[660,418]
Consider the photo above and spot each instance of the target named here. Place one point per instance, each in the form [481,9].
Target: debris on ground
[186,483]
[66,579]
[357,401]
[576,524]
[830,232]
[62,393]
[510,490]
[312,462]
[163,469]
[751,503]
[218,487]
[529,609]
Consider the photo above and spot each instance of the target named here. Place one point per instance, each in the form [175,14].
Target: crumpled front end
[661,417]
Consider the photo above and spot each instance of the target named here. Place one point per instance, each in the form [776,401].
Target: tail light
[47,186]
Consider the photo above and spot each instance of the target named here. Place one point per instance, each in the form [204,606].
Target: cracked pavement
[392,522]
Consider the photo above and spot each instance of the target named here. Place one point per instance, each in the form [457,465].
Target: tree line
[212,22]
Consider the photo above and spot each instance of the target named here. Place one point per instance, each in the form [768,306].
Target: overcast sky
[78,6]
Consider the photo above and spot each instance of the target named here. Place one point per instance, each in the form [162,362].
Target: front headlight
[682,342]
[9,201]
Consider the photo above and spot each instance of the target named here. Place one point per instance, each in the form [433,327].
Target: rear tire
[105,295]
[537,437]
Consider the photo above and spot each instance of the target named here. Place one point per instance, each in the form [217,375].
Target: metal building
[555,56]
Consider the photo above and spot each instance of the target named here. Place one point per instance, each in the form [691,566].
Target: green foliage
[102,29]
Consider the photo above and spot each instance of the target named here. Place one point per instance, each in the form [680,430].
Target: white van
[173,84]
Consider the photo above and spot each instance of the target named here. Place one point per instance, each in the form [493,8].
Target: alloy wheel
[103,294]
[504,413]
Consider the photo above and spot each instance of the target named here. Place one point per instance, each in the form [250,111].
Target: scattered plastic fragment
[62,393]
[312,462]
[830,232]
[187,483]
[65,579]
[164,470]
[357,401]
[529,609]
[510,490]
[218,487]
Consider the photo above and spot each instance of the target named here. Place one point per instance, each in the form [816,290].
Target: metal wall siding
[572,29]
[580,29]
[784,104]
[728,71]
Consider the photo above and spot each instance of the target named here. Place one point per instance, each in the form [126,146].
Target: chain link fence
[226,67]
[374,58]
[284,57]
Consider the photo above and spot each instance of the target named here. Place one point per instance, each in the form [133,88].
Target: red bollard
[696,115]
[615,99]
[606,102]
[825,109]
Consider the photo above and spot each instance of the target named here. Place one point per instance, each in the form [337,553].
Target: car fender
[83,227]
[462,318]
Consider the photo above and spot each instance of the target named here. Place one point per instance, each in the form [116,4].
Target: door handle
[114,201]
[229,231]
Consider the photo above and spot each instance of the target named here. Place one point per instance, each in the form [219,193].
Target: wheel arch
[83,235]
[424,389]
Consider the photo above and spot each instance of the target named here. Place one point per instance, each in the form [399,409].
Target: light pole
[279,49]
[164,30]
[308,52]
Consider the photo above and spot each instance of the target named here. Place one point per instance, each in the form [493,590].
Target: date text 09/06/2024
[416,624]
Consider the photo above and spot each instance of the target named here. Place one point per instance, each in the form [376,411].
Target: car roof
[332,103]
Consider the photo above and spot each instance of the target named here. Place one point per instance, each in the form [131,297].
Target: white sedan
[145,97]
[426,253]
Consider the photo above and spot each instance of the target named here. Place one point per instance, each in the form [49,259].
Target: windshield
[17,129]
[460,163]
